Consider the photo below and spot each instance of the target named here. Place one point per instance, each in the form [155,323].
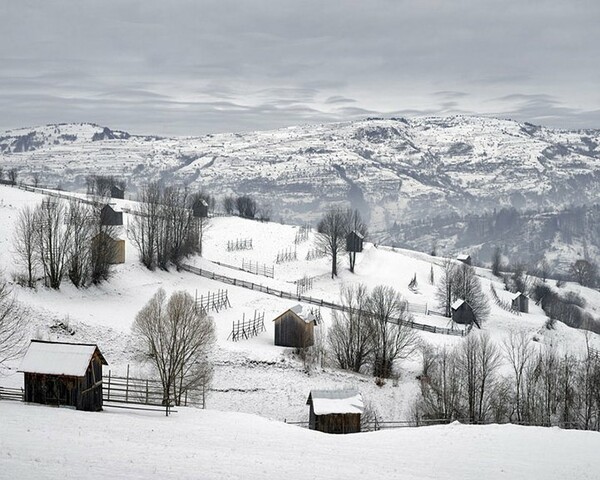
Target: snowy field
[44,442]
[255,377]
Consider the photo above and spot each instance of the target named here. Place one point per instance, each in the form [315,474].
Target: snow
[303,313]
[457,304]
[326,402]
[45,442]
[69,359]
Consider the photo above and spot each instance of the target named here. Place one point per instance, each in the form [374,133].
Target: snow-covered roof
[463,256]
[58,358]
[325,402]
[114,207]
[302,313]
[516,295]
[358,234]
[457,304]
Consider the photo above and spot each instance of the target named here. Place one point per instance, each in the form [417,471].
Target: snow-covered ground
[255,377]
[44,442]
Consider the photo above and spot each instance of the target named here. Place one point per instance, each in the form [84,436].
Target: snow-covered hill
[44,442]
[394,170]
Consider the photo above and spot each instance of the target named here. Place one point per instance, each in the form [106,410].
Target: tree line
[57,240]
[516,381]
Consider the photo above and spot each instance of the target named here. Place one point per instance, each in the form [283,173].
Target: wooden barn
[463,313]
[335,411]
[200,208]
[111,215]
[354,242]
[520,302]
[464,258]
[63,374]
[295,328]
[117,192]
[114,245]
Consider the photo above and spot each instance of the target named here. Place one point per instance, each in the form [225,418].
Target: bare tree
[466,286]
[355,223]
[496,261]
[13,174]
[103,250]
[178,337]
[349,336]
[392,339]
[80,220]
[25,243]
[144,226]
[229,205]
[585,272]
[246,206]
[36,179]
[445,288]
[331,235]
[53,238]
[519,352]
[12,325]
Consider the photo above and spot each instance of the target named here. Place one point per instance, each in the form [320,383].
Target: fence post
[127,385]
[108,385]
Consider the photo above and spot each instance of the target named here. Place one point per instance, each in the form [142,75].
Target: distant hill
[394,170]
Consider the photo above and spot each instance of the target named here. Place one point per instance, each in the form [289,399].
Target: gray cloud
[188,67]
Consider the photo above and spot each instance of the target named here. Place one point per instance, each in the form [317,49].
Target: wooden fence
[287,255]
[239,244]
[417,308]
[258,268]
[213,301]
[503,304]
[7,393]
[302,234]
[245,329]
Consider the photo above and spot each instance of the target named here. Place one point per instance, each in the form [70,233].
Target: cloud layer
[188,67]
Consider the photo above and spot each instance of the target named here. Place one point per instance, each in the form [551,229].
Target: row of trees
[59,240]
[11,175]
[246,207]
[101,185]
[332,231]
[369,333]
[163,226]
[471,383]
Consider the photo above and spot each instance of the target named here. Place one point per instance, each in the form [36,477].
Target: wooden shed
[111,215]
[464,258]
[335,411]
[116,246]
[463,313]
[200,208]
[63,374]
[295,328]
[117,192]
[520,302]
[354,242]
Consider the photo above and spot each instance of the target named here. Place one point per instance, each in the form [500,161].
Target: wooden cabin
[464,258]
[463,313]
[117,192]
[295,328]
[115,246]
[335,411]
[111,215]
[354,242]
[63,374]
[200,208]
[520,302]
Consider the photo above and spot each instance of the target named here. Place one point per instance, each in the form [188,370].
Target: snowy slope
[215,445]
[253,375]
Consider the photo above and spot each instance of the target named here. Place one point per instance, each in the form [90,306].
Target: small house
[113,248]
[520,302]
[111,215]
[464,258]
[63,374]
[354,242]
[335,411]
[117,192]
[463,313]
[200,208]
[295,328]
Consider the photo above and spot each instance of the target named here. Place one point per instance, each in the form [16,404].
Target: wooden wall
[291,331]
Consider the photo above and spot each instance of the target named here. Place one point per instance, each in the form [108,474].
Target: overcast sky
[194,67]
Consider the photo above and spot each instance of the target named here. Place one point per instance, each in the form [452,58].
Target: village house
[335,411]
[295,328]
[63,374]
